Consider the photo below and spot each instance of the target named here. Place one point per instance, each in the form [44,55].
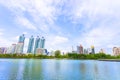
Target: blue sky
[63,23]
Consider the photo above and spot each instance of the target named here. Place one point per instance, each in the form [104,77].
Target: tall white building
[11,49]
[19,48]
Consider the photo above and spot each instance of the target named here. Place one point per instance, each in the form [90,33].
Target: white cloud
[43,12]
[25,22]
[93,9]
[54,42]
[3,41]
[25,33]
[59,40]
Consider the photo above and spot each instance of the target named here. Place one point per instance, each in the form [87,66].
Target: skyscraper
[30,45]
[85,51]
[78,49]
[21,39]
[11,49]
[37,42]
[19,48]
[116,51]
[20,44]
[89,50]
[42,42]
[81,49]
[3,50]
[93,50]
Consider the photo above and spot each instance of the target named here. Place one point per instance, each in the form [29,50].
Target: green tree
[57,53]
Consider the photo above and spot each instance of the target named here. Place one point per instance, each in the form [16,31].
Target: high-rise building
[37,43]
[11,49]
[21,39]
[19,48]
[2,50]
[30,45]
[78,49]
[20,44]
[81,49]
[42,42]
[85,51]
[93,50]
[89,50]
[116,51]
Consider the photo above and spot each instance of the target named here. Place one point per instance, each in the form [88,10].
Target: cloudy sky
[63,23]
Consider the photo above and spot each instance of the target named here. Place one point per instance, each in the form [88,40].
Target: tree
[57,53]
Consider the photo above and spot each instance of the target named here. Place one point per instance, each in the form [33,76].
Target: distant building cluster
[81,50]
[36,46]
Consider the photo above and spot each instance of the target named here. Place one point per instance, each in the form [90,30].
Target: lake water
[52,69]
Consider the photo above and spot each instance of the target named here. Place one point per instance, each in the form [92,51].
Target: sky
[63,23]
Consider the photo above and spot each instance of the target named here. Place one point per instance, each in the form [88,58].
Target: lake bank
[111,60]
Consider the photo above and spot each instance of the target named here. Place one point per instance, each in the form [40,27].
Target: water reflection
[51,69]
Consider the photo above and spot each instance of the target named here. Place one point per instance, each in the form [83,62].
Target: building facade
[86,51]
[80,49]
[116,51]
[92,50]
[40,51]
[42,42]
[21,39]
[30,45]
[19,48]
[37,43]
[3,50]
[11,49]
[20,45]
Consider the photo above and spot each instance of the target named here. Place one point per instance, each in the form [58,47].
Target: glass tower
[37,42]
[21,41]
[30,45]
[42,43]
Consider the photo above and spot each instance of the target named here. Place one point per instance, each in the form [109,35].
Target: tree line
[58,55]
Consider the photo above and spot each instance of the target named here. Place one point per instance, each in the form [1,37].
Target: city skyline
[63,23]
[34,47]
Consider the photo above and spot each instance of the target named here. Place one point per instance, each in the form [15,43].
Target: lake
[53,69]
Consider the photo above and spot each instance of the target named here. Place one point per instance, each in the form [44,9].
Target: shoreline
[110,60]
